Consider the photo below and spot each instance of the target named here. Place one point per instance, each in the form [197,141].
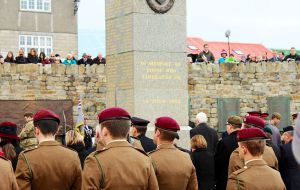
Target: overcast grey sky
[274,23]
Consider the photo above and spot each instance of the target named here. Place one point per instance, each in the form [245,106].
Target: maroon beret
[255,121]
[254,113]
[8,130]
[113,114]
[250,134]
[45,114]
[167,123]
[264,115]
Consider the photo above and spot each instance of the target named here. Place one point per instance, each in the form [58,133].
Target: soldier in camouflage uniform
[27,136]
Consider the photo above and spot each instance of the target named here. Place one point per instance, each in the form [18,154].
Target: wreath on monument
[160,6]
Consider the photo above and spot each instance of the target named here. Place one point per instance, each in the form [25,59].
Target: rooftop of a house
[195,46]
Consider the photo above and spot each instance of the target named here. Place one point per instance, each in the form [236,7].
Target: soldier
[138,130]
[174,168]
[49,166]
[255,172]
[27,137]
[235,163]
[118,165]
[7,176]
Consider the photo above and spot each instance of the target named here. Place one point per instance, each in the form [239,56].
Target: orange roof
[195,46]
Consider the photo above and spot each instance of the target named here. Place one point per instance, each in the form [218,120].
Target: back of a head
[198,141]
[73,137]
[255,147]
[254,139]
[9,151]
[276,115]
[168,136]
[118,129]
[201,117]
[47,127]
[235,121]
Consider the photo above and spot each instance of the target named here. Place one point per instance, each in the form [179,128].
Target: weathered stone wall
[252,83]
[56,82]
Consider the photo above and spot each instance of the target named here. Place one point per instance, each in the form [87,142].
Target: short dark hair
[28,114]
[166,135]
[255,147]
[117,128]
[140,129]
[47,127]
[205,45]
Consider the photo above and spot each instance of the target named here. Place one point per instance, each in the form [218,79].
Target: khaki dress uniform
[235,163]
[256,175]
[7,176]
[50,166]
[174,168]
[119,166]
[27,136]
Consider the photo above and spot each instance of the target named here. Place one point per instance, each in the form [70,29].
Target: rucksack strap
[28,165]
[102,172]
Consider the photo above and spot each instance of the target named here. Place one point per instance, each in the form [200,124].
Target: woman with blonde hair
[203,161]
[74,140]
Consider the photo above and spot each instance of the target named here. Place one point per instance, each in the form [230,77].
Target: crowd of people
[35,58]
[251,154]
[208,57]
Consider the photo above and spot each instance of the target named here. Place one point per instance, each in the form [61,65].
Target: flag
[80,119]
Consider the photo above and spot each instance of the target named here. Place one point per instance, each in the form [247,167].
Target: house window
[35,5]
[40,43]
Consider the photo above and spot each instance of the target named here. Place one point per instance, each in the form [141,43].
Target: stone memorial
[146,58]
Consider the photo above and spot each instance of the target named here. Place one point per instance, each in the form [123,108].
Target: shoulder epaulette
[30,149]
[141,151]
[94,154]
[2,157]
[240,171]
[98,151]
[152,151]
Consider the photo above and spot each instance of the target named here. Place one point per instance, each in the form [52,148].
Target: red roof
[195,46]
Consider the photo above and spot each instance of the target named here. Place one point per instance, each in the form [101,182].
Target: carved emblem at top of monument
[161,6]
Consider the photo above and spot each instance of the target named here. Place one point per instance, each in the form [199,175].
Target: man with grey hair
[289,167]
[207,132]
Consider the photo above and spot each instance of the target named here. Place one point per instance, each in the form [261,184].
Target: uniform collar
[49,143]
[118,143]
[166,146]
[255,162]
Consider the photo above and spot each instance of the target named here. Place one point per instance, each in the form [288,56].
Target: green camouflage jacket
[27,137]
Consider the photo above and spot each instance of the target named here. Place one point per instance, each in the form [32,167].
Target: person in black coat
[209,134]
[21,59]
[99,60]
[288,165]
[74,140]
[224,149]
[88,135]
[85,60]
[33,56]
[138,130]
[203,161]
